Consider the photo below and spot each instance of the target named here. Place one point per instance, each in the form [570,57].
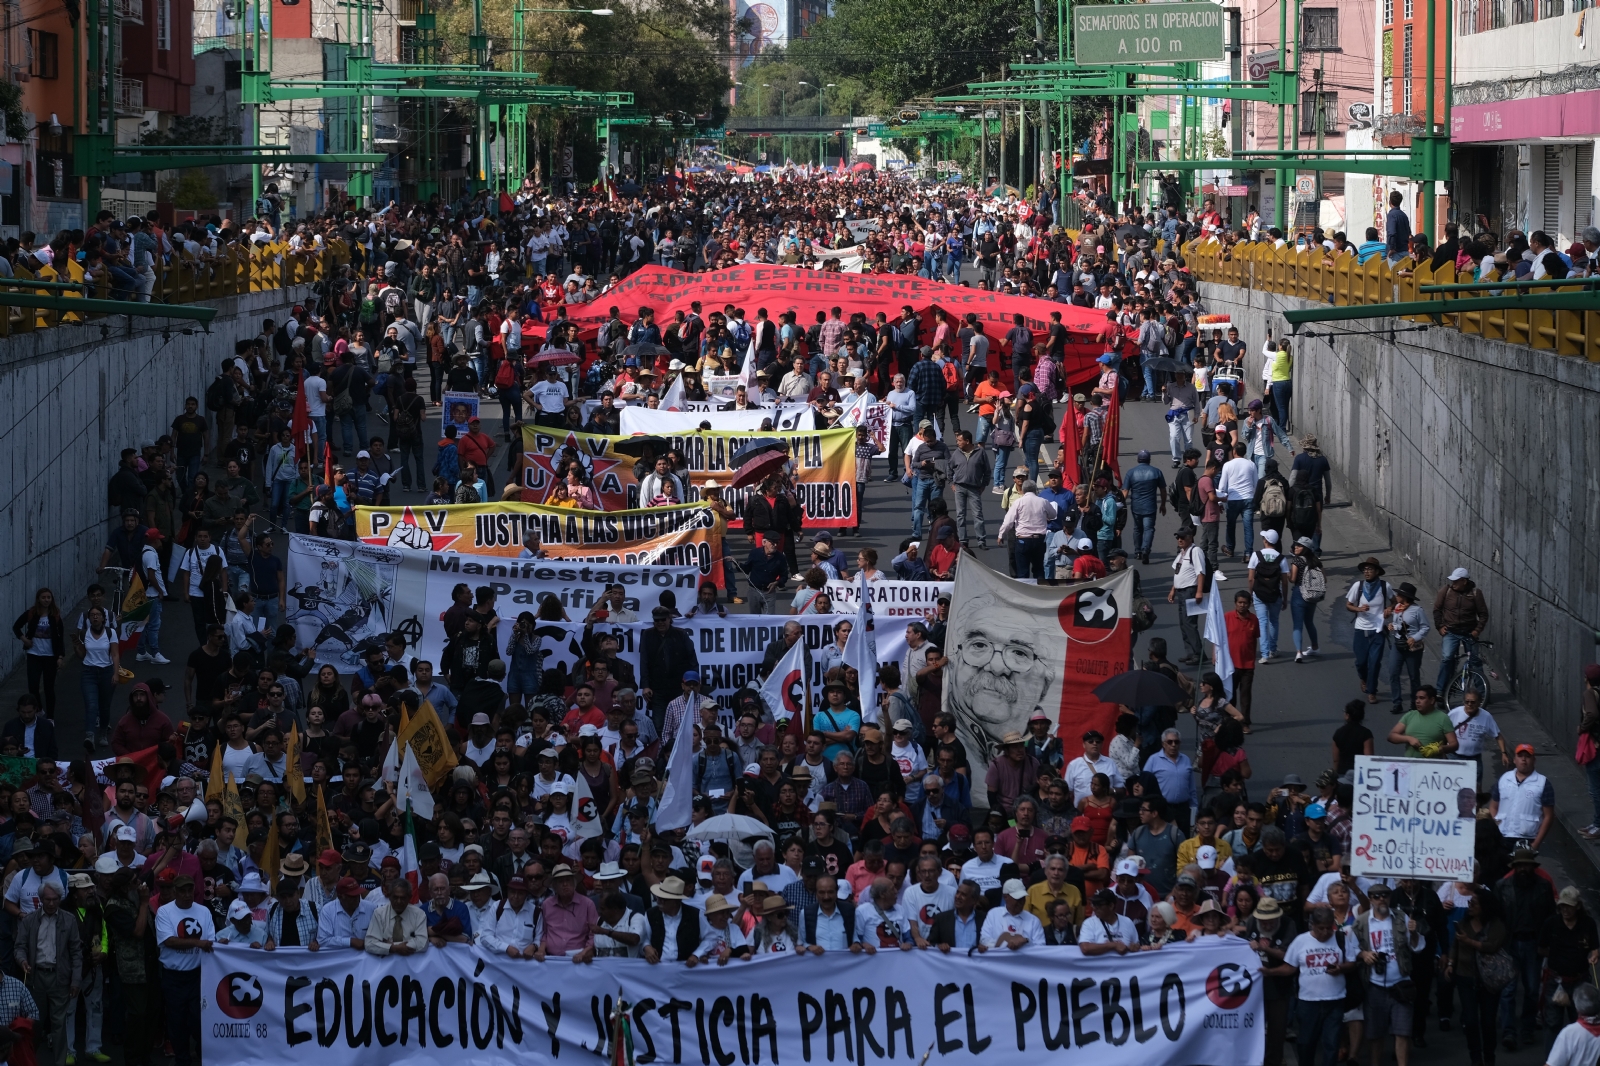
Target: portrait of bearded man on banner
[994,678]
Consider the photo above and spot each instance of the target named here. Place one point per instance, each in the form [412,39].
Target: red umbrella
[554,357]
[861,166]
[756,470]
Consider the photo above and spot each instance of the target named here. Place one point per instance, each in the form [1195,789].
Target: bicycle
[1471,676]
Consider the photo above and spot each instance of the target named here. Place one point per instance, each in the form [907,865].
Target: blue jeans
[1002,465]
[1303,616]
[321,422]
[150,638]
[924,490]
[97,684]
[1267,614]
[1144,533]
[1318,1024]
[1592,773]
[1282,393]
[266,609]
[189,468]
[1235,509]
[1454,644]
[279,509]
[1030,452]
[1367,646]
[1149,377]
[1186,350]
[1526,953]
[985,423]
[1398,658]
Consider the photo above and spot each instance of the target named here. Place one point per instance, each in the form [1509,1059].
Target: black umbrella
[1140,688]
[1167,363]
[645,350]
[640,445]
[754,447]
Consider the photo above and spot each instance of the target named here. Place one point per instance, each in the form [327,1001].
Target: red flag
[147,761]
[300,424]
[1109,436]
[327,463]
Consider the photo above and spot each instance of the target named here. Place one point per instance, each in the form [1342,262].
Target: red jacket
[132,735]
[1244,637]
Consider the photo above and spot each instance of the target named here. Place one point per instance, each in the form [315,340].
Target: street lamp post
[761,144]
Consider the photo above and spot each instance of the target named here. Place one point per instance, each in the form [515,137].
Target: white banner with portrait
[1185,1005]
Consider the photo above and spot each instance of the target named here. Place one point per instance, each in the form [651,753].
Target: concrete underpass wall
[76,398]
[1464,452]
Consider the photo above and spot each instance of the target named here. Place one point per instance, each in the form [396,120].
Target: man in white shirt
[317,406]
[880,924]
[926,899]
[342,922]
[1237,489]
[481,904]
[1106,931]
[1081,771]
[156,585]
[518,931]
[1475,727]
[1320,959]
[551,396]
[985,869]
[183,930]
[1385,942]
[1011,926]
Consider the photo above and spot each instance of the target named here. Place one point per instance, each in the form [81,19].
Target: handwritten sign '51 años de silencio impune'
[1413,818]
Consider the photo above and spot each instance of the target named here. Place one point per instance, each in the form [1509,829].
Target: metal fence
[236,271]
[1340,280]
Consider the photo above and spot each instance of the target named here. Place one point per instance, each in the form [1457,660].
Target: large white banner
[666,423]
[1185,1005]
[913,601]
[1414,818]
[347,595]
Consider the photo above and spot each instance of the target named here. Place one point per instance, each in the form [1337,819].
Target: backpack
[217,396]
[1313,584]
[504,376]
[1267,592]
[1274,501]
[406,424]
[263,207]
[1303,513]
[952,376]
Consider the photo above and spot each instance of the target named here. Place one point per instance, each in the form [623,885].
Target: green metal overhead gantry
[498,95]
[1425,159]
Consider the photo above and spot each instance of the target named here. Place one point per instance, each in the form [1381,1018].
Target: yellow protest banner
[292,775]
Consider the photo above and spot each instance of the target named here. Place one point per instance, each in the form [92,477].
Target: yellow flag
[269,857]
[232,805]
[429,743]
[292,775]
[324,827]
[214,783]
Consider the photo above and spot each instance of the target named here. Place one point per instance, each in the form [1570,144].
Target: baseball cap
[1523,749]
[691,675]
[1458,573]
[363,455]
[348,887]
[1206,857]
[126,832]
[1127,868]
[480,719]
[238,910]
[1014,889]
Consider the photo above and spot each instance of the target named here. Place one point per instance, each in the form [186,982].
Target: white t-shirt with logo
[986,875]
[923,907]
[1312,957]
[1120,930]
[193,923]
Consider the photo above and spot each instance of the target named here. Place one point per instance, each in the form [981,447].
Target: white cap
[588,730]
[480,719]
[238,909]
[363,455]
[1270,536]
[1206,857]
[252,883]
[1128,867]
[708,865]
[1014,888]
[563,786]
[126,832]
[917,544]
[1458,573]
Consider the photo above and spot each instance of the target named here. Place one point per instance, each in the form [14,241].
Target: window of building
[1523,11]
[1405,55]
[1408,8]
[43,55]
[1405,92]
[1388,12]
[1388,96]
[1330,112]
[1551,9]
[1319,29]
[1583,196]
[163,25]
[408,44]
[1466,17]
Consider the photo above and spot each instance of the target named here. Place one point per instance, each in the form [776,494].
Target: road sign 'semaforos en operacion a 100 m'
[1139,33]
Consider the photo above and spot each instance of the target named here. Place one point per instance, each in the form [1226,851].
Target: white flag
[747,370]
[673,398]
[389,774]
[858,652]
[787,690]
[1217,631]
[412,787]
[677,799]
[585,813]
